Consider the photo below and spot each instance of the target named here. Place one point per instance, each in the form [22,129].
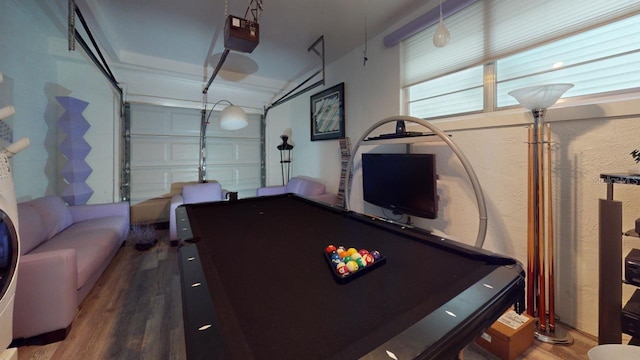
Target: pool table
[256,284]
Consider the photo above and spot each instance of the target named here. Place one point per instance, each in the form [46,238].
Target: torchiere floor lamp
[540,248]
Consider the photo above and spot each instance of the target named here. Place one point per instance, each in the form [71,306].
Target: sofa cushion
[202,192]
[54,214]
[119,224]
[302,186]
[92,246]
[32,231]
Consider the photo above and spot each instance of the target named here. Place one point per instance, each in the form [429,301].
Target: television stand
[482,208]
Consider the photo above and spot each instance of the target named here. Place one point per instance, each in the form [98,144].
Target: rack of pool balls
[347,262]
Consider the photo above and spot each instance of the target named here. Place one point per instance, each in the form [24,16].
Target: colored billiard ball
[352,251]
[368,258]
[376,254]
[352,266]
[361,262]
[363,251]
[342,269]
[330,249]
[355,256]
[346,259]
[336,261]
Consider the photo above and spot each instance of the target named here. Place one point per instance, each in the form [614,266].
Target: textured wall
[581,151]
[588,139]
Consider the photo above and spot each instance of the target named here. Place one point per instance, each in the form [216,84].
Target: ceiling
[188,35]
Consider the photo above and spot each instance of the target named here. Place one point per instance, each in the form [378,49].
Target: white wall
[587,140]
[102,113]
[372,92]
[28,77]
[37,68]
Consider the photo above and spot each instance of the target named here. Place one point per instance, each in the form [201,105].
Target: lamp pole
[540,244]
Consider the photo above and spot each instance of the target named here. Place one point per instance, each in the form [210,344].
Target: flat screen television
[404,183]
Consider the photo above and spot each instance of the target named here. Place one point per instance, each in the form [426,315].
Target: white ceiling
[175,35]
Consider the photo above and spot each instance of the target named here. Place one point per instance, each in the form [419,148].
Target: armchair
[302,186]
[191,194]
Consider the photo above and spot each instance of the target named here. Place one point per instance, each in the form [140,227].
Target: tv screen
[404,183]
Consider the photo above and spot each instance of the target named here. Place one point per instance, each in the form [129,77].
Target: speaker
[631,315]
[632,267]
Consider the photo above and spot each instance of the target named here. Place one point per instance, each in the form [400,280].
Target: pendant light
[441,37]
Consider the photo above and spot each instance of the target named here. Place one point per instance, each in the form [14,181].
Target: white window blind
[595,61]
[491,29]
[460,92]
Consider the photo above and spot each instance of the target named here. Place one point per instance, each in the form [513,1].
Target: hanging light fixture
[441,37]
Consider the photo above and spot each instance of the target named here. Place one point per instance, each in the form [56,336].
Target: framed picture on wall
[327,114]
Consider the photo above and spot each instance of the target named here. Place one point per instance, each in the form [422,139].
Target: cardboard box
[510,336]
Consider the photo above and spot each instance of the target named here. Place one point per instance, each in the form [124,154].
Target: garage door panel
[248,180]
[248,152]
[244,179]
[185,175]
[165,148]
[149,120]
[220,153]
[149,183]
[148,151]
[185,123]
[222,174]
[184,152]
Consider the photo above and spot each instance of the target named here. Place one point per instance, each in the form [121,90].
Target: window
[597,61]
[460,91]
[592,44]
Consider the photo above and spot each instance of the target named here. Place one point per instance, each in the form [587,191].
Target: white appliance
[8,241]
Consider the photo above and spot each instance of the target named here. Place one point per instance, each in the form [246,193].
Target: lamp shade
[233,118]
[540,97]
[441,36]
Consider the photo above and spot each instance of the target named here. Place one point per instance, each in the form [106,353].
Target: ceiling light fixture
[441,37]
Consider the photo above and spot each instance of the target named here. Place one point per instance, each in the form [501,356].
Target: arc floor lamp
[231,118]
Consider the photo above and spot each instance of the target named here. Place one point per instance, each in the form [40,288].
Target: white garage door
[165,155]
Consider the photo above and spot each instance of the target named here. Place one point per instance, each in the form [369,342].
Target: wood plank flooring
[135,312]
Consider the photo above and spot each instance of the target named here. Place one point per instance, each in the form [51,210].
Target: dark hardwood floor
[135,312]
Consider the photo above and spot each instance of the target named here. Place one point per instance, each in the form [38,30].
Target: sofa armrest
[46,292]
[271,190]
[328,198]
[95,211]
[176,200]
